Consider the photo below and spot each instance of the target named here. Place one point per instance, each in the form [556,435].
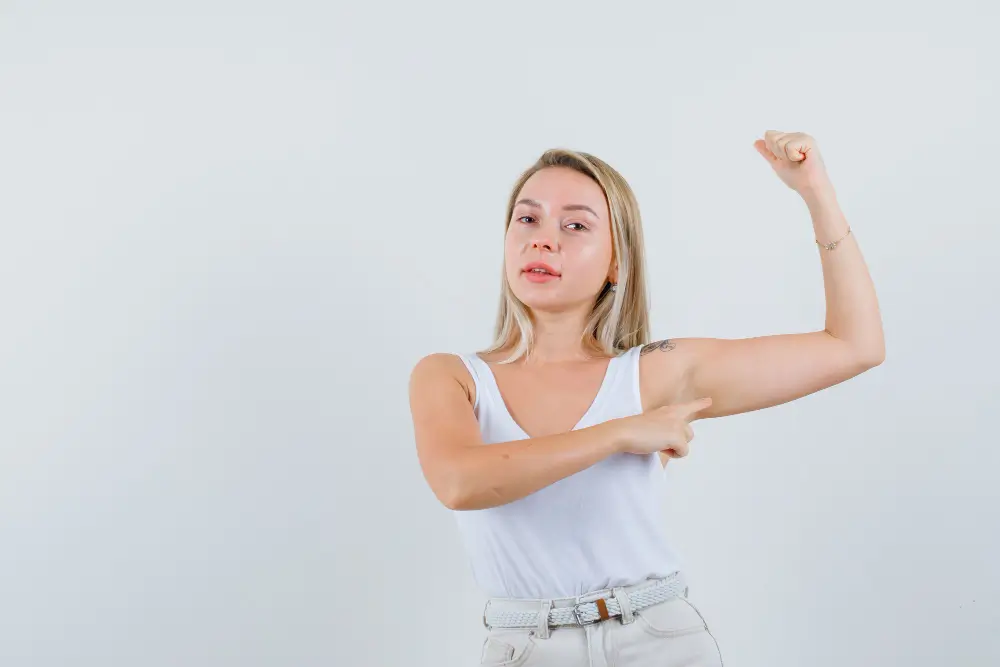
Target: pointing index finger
[692,407]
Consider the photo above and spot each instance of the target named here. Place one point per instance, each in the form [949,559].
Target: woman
[560,514]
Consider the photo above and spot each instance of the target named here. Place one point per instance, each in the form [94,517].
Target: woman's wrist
[613,435]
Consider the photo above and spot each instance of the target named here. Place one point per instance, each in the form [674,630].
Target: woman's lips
[539,277]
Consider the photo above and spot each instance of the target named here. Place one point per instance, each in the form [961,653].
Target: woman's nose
[543,242]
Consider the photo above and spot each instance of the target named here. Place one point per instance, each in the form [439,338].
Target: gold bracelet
[831,246]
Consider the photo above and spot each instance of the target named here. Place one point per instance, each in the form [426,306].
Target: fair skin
[562,219]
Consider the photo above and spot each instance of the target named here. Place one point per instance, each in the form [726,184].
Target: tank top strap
[626,382]
[480,375]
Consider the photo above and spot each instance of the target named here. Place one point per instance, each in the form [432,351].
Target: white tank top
[598,528]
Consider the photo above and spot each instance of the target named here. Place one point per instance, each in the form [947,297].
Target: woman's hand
[666,429]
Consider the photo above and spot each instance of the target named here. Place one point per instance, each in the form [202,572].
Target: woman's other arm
[465,474]
[748,374]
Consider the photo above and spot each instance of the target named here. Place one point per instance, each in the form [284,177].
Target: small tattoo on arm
[666,345]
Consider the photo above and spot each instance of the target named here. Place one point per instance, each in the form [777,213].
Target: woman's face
[560,219]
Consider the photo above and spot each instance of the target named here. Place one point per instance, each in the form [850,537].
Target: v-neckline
[605,381]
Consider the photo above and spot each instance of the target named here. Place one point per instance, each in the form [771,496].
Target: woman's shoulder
[441,363]
[662,367]
[436,369]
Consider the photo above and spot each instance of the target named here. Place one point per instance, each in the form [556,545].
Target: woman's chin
[538,300]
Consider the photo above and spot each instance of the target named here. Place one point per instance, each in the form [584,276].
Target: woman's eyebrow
[567,207]
[580,207]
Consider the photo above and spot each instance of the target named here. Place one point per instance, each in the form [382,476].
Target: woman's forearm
[852,312]
[499,473]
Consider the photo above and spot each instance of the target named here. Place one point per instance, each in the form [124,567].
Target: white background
[229,230]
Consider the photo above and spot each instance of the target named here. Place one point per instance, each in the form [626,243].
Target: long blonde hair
[619,319]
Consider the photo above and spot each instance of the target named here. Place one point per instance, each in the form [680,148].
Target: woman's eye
[527,219]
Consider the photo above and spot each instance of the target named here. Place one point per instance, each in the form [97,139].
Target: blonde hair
[619,319]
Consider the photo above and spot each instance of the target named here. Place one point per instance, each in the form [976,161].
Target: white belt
[585,613]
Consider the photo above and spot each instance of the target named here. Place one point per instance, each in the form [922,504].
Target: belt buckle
[576,612]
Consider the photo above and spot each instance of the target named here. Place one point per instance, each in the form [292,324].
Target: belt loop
[542,631]
[485,624]
[624,604]
[681,579]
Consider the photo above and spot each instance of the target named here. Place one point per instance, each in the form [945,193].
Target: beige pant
[672,633]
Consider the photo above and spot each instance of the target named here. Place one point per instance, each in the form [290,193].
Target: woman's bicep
[443,422]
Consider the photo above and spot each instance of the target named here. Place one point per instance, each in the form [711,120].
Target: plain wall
[228,230]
